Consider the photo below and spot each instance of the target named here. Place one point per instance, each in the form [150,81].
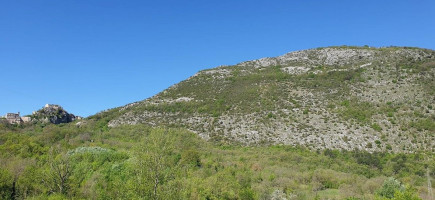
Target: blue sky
[98,54]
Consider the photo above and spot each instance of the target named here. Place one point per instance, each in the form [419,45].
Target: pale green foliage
[156,165]
[56,177]
[389,188]
[406,194]
[125,162]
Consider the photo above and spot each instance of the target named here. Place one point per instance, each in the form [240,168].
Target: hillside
[335,101]
[372,99]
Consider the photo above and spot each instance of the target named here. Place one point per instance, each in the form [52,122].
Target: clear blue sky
[92,55]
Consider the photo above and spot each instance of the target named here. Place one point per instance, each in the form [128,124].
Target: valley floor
[91,161]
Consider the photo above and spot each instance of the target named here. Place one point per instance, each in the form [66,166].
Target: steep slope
[338,97]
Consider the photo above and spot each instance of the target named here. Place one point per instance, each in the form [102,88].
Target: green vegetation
[393,189]
[389,187]
[339,90]
[424,124]
[139,162]
[334,101]
[361,112]
[376,127]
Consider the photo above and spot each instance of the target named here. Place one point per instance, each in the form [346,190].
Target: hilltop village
[51,113]
[15,118]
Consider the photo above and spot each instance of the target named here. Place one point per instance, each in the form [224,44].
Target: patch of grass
[376,127]
[360,111]
[424,124]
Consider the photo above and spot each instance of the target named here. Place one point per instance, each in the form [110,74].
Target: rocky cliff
[53,114]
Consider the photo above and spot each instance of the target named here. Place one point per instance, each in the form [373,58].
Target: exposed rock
[55,114]
[373,99]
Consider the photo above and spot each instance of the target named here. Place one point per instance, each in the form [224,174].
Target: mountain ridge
[333,97]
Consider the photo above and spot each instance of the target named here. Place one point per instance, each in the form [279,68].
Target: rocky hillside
[53,114]
[375,99]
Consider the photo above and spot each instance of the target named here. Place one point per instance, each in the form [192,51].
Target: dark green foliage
[389,147]
[6,184]
[370,159]
[191,157]
[331,153]
[328,80]
[376,127]
[424,124]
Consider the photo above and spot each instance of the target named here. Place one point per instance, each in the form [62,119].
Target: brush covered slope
[86,161]
[372,99]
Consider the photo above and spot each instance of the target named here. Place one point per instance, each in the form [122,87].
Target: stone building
[52,106]
[26,119]
[15,118]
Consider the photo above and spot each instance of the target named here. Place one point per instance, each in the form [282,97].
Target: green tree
[390,187]
[6,184]
[156,164]
[57,175]
[408,194]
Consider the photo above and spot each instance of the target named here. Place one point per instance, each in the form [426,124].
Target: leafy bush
[5,184]
[389,188]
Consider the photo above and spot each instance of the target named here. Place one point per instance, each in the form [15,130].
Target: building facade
[15,118]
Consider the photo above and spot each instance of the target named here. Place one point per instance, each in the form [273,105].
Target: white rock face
[365,65]
[218,71]
[295,70]
[325,56]
[343,56]
[185,99]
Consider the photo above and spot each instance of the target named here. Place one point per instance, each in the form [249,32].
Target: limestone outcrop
[55,114]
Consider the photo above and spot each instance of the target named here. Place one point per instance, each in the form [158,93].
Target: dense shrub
[125,162]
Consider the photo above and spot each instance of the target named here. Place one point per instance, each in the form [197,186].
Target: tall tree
[57,177]
[156,163]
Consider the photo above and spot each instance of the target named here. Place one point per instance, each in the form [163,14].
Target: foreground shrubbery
[139,162]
